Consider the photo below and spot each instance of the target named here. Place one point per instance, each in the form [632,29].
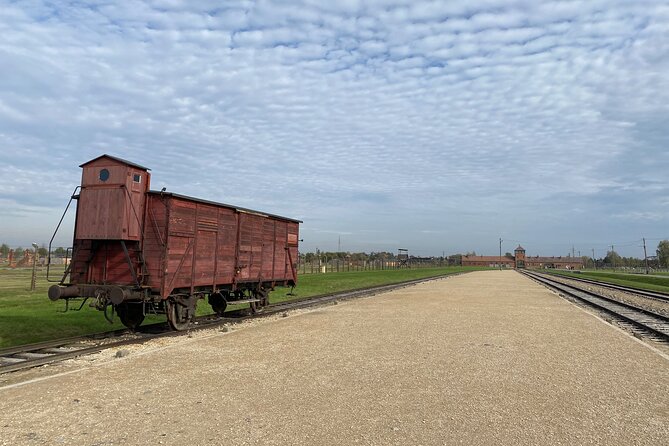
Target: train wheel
[257,307]
[178,315]
[131,314]
[218,303]
[264,296]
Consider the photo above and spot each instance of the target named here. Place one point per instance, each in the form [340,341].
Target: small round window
[104,175]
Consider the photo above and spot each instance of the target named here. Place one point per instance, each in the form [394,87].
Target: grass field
[29,316]
[651,282]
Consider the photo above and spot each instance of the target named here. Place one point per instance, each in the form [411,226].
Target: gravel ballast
[655,305]
[483,358]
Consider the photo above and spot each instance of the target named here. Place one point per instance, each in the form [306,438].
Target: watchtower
[519,254]
[402,258]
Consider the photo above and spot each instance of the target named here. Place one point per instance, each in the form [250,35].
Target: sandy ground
[483,358]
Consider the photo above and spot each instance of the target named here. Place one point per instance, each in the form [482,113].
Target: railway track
[42,353]
[640,321]
[657,295]
[34,355]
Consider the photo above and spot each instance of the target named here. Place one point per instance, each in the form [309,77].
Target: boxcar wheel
[131,315]
[257,307]
[178,316]
[218,303]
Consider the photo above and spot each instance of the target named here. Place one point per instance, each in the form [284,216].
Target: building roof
[519,248]
[120,160]
[492,259]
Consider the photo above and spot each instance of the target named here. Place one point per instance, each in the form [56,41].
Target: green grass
[29,316]
[659,273]
[649,282]
[315,284]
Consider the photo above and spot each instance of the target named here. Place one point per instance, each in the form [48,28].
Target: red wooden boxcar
[139,251]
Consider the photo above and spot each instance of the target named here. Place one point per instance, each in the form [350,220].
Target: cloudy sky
[437,126]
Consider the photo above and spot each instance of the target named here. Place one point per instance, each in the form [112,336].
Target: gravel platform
[483,358]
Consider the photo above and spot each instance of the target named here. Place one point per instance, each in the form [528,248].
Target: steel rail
[649,321]
[42,353]
[659,295]
[34,355]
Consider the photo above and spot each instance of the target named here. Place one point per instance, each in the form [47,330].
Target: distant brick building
[490,261]
[520,260]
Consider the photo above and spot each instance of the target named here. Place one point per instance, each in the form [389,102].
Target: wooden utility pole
[594,262]
[33,281]
[500,254]
[645,256]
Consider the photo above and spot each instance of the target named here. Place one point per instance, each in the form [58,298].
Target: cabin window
[104,175]
[137,178]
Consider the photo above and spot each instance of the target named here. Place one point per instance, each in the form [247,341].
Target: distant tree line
[325,256]
[663,253]
[20,251]
[612,258]
[357,257]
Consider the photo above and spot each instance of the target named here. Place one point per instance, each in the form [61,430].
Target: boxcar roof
[215,203]
[120,160]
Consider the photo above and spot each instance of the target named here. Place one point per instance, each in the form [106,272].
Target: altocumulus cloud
[424,124]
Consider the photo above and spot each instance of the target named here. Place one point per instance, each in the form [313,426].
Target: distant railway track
[640,321]
[34,355]
[658,295]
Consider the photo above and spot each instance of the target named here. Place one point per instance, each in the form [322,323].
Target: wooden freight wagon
[139,251]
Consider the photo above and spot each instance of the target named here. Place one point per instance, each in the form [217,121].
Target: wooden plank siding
[81,252]
[104,262]
[111,208]
[216,246]
[227,246]
[189,245]
[155,241]
[293,236]
[106,213]
[110,264]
